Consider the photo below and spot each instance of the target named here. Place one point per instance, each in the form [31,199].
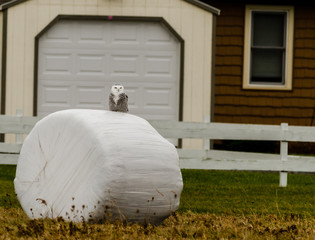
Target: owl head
[117,89]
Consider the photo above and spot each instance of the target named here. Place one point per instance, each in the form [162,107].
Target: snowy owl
[118,100]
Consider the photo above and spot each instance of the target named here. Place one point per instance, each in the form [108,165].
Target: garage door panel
[125,34]
[59,33]
[90,64]
[52,96]
[160,66]
[158,98]
[55,62]
[57,95]
[93,33]
[91,94]
[155,34]
[58,63]
[154,98]
[90,97]
[125,65]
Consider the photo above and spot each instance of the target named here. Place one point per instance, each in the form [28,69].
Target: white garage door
[78,62]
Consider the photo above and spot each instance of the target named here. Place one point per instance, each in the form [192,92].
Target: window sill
[267,87]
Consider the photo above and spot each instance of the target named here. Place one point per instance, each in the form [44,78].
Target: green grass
[214,205]
[228,192]
[7,193]
[222,192]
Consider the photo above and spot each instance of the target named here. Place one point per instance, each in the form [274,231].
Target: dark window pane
[268,29]
[266,65]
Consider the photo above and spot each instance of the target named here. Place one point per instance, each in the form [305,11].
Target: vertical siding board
[197,66]
[43,2]
[150,7]
[67,7]
[163,3]
[128,8]
[175,16]
[198,72]
[102,8]
[138,8]
[163,8]
[174,4]
[79,7]
[187,33]
[9,69]
[30,25]
[55,2]
[43,17]
[10,59]
[115,8]
[1,34]
[54,8]
[16,75]
[15,71]
[90,7]
[207,64]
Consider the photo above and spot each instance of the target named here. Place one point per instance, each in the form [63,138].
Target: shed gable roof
[4,1]
[4,4]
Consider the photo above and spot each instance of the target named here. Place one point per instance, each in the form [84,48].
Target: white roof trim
[197,3]
[204,6]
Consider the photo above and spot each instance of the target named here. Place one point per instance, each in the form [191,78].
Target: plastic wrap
[91,165]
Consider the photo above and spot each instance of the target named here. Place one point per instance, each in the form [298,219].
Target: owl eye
[115,87]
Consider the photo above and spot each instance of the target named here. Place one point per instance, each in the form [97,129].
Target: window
[268,47]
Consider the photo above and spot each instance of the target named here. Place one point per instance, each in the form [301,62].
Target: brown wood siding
[236,105]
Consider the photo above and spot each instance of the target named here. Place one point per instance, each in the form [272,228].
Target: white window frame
[287,85]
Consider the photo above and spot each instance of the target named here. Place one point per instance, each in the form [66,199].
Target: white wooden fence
[206,158]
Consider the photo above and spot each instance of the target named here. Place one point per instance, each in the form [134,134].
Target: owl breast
[116,97]
[118,103]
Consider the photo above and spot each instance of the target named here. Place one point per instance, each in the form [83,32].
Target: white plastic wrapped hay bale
[91,165]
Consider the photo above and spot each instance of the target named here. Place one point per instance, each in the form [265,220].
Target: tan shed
[61,54]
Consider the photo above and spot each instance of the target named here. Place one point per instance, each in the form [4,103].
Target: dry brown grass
[15,225]
[231,205]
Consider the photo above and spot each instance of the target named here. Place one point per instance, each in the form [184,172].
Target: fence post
[206,142]
[284,155]
[19,137]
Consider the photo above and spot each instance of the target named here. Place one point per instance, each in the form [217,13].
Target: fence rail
[203,158]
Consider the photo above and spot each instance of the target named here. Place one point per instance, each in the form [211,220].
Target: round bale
[92,165]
